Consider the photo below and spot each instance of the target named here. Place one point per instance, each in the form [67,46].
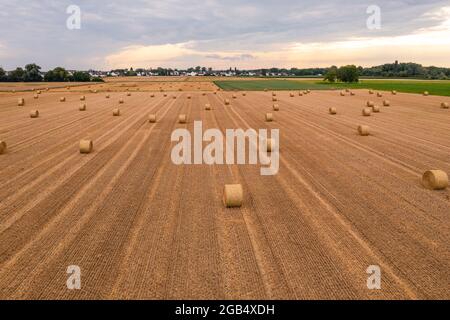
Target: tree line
[32,73]
[351,73]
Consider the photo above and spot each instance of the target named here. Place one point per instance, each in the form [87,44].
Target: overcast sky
[222,34]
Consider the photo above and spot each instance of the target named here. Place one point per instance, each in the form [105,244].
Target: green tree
[331,74]
[17,75]
[348,74]
[57,75]
[131,73]
[2,75]
[81,76]
[32,72]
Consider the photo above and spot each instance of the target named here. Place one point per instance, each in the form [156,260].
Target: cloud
[430,45]
[147,55]
[171,55]
[237,57]
[3,52]
[254,33]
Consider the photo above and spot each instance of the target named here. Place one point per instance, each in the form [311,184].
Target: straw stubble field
[141,227]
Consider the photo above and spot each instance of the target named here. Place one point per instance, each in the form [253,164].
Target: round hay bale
[34,113]
[270,145]
[300,94]
[62,99]
[435,180]
[444,105]
[291,95]
[363,130]
[342,93]
[129,94]
[227,102]
[38,92]
[234,96]
[376,109]
[274,99]
[265,90]
[116,112]
[182,118]
[370,104]
[274,94]
[308,91]
[370,91]
[233,195]
[352,93]
[347,90]
[152,95]
[426,93]
[165,95]
[86,146]
[120,100]
[394,92]
[107,96]
[276,107]
[68,88]
[2,147]
[36,96]
[305,92]
[189,96]
[203,93]
[244,94]
[386,103]
[82,107]
[332,110]
[152,118]
[207,106]
[269,117]
[21,102]
[179,89]
[379,95]
[82,98]
[174,97]
[366,112]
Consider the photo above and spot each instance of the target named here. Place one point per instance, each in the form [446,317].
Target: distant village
[33,72]
[191,72]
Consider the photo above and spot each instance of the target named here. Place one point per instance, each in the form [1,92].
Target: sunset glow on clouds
[243,34]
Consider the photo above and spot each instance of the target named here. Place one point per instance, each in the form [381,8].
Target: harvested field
[30,86]
[155,84]
[140,227]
